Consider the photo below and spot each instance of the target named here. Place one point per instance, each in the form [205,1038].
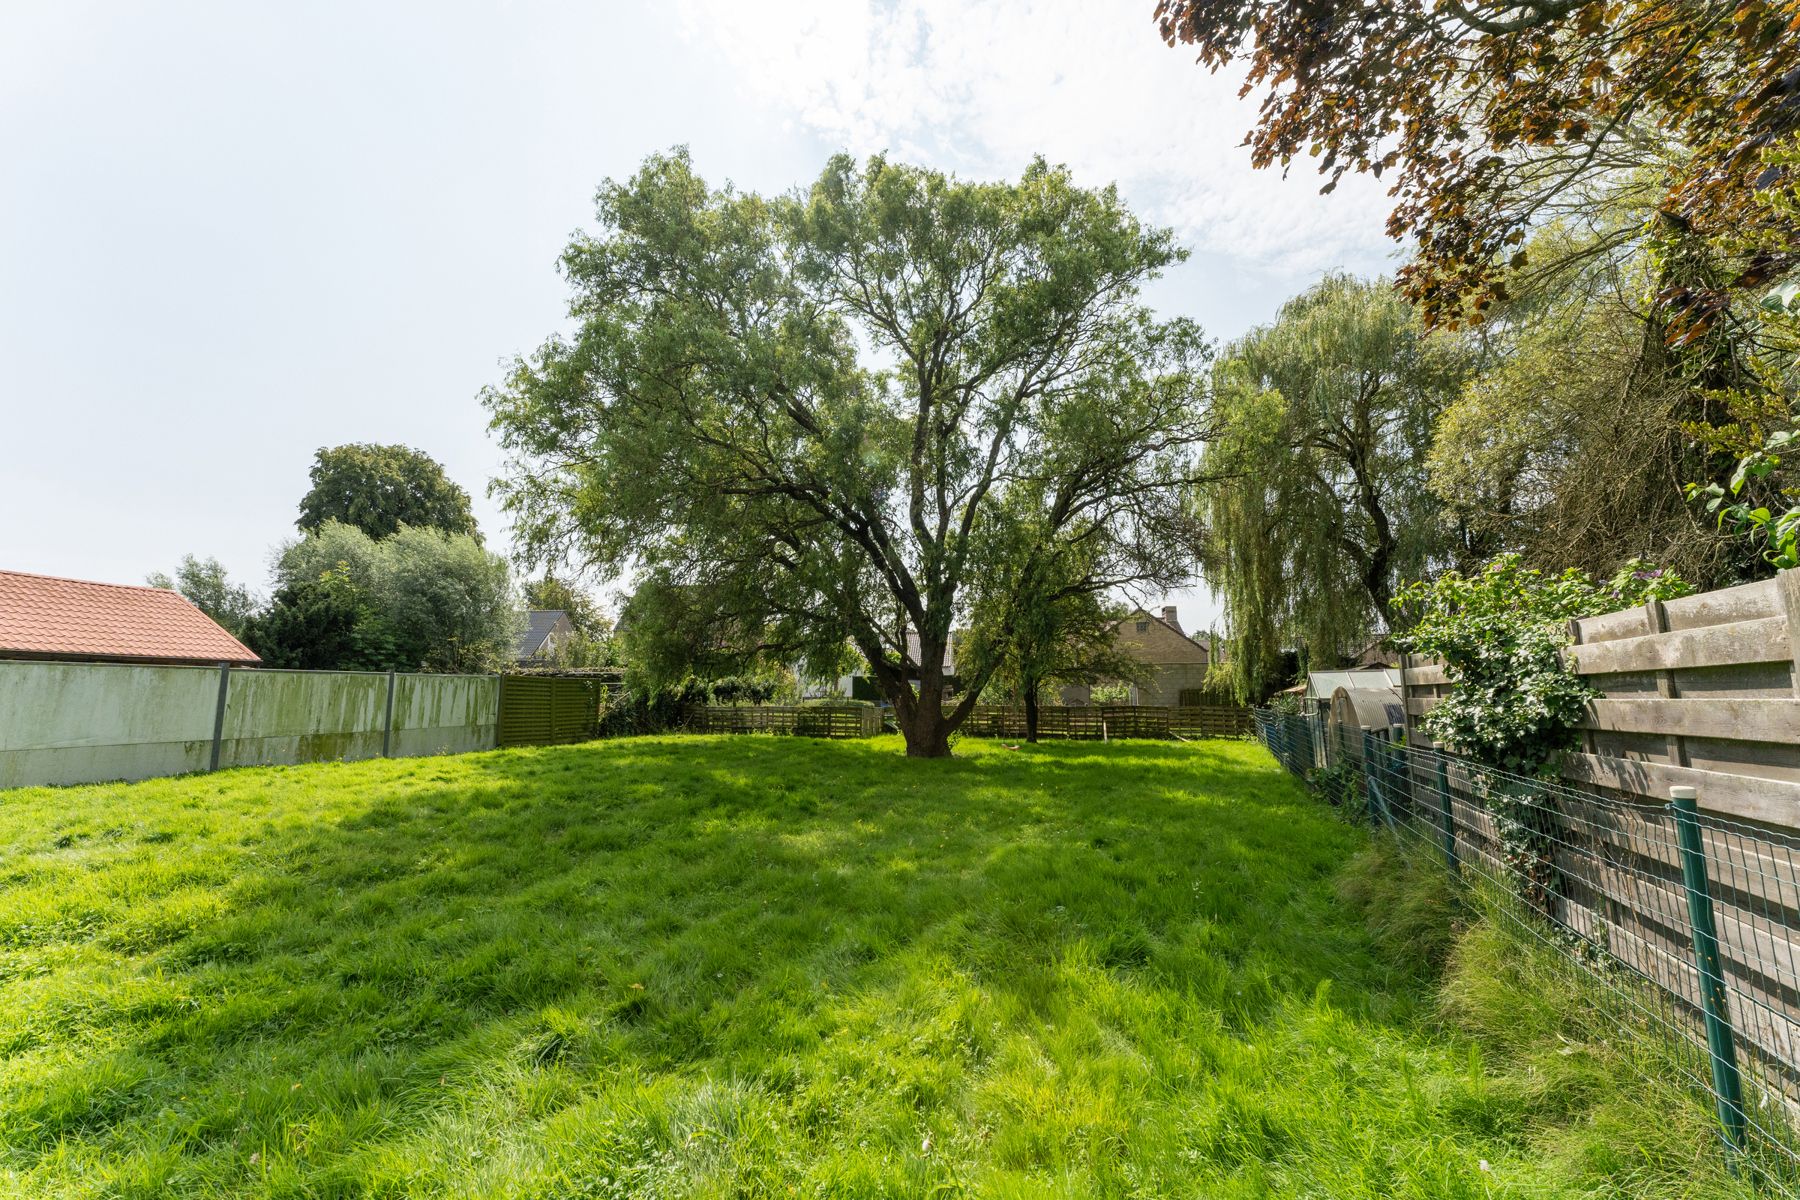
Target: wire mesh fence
[1687,922]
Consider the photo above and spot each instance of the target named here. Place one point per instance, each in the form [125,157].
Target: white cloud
[981,87]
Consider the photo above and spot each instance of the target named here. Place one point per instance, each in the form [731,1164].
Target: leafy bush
[1499,633]
[420,599]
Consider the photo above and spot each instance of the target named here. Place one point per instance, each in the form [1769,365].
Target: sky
[231,234]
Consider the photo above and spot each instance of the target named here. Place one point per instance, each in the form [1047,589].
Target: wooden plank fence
[798,720]
[1703,691]
[537,710]
[1095,721]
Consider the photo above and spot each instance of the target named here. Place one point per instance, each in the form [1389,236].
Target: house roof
[48,617]
[539,623]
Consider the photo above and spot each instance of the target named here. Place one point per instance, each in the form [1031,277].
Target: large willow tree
[803,415]
[1324,511]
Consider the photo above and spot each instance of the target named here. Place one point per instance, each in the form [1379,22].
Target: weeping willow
[1323,512]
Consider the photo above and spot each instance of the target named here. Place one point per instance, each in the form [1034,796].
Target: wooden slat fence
[799,720]
[542,710]
[1094,721]
[1703,691]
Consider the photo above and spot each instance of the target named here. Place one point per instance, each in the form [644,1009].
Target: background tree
[1497,116]
[800,413]
[1570,444]
[1044,619]
[445,602]
[670,630]
[377,489]
[323,624]
[1056,639]
[1323,510]
[205,583]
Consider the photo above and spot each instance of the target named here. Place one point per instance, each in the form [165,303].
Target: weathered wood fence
[1702,692]
[801,720]
[1093,721]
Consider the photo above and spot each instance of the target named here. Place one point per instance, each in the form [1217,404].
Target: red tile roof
[43,616]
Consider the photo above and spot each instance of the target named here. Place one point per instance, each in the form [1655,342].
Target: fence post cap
[1683,792]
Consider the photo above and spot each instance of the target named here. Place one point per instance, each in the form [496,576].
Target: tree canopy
[205,583]
[801,414]
[1493,117]
[1324,510]
[380,488]
[419,600]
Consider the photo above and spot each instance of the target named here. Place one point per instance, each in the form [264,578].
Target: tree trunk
[926,731]
[1031,712]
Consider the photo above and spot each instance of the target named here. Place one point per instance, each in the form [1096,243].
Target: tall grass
[757,966]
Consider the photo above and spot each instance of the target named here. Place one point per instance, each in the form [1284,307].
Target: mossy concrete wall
[89,722]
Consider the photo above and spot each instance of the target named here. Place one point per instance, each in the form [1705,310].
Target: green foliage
[1562,446]
[1514,703]
[730,967]
[797,417]
[204,582]
[378,489]
[437,601]
[1776,532]
[1287,704]
[1051,627]
[752,689]
[1320,507]
[584,611]
[322,624]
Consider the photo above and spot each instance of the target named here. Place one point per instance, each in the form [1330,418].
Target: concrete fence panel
[66,723]
[445,714]
[82,722]
[274,717]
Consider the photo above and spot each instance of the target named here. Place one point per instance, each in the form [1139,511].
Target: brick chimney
[1169,616]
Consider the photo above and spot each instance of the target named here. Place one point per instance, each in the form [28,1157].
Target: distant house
[546,630]
[862,687]
[1177,663]
[47,617]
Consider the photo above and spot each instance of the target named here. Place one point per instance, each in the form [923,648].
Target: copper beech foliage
[1488,116]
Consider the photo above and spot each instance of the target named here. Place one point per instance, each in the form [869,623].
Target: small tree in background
[204,582]
[594,643]
[378,489]
[446,603]
[1043,619]
[1058,641]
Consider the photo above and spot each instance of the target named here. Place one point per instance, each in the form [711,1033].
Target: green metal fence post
[1728,1089]
[1448,814]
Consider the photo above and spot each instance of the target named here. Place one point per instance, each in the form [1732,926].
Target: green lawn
[756,966]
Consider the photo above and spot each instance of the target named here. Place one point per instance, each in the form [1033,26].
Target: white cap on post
[1683,792]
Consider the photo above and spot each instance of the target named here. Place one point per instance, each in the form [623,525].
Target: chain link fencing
[1686,922]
